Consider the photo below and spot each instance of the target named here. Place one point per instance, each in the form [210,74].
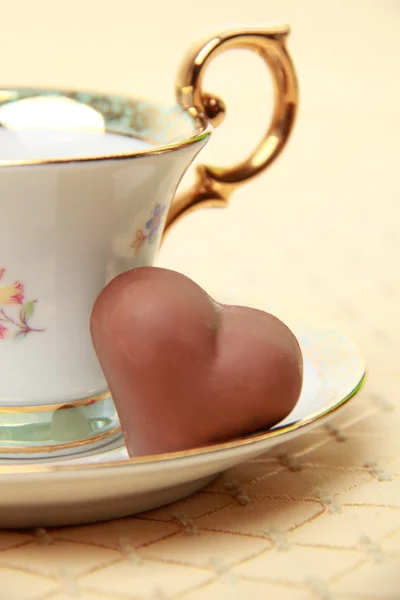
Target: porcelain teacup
[87,183]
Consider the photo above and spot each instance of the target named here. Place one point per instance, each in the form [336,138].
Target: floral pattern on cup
[16,322]
[149,232]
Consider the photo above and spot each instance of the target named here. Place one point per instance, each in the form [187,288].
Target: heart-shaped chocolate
[183,370]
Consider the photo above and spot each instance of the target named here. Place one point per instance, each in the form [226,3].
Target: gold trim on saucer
[38,468]
[341,371]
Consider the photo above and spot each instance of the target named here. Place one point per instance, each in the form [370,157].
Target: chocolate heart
[185,371]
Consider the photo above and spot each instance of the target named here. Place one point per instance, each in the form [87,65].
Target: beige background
[315,237]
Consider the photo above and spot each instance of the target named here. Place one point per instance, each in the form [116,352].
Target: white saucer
[108,484]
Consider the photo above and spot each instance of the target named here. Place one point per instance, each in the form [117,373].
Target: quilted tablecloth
[314,238]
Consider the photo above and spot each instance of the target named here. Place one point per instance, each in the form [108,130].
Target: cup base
[64,429]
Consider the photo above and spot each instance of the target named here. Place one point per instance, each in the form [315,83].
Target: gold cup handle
[214,185]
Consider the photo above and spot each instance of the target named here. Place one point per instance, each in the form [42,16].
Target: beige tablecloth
[317,237]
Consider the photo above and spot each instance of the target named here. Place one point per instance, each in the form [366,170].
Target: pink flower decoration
[12,293]
[152,227]
[18,297]
[13,324]
[139,241]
